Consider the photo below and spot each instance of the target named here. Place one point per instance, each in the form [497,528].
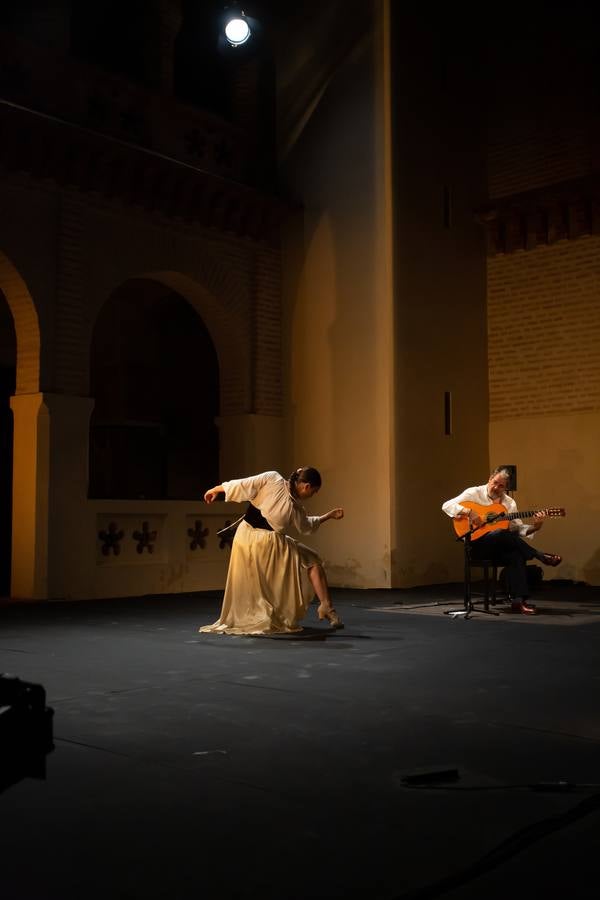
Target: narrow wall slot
[447,412]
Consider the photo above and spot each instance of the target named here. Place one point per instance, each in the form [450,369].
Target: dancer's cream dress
[268,589]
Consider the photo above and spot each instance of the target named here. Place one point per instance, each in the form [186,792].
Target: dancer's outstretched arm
[337,513]
[212,494]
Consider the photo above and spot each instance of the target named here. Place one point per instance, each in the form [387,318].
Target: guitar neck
[528,514]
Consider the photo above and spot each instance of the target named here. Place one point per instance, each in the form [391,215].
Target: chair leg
[490,574]
[486,584]
[494,584]
[468,601]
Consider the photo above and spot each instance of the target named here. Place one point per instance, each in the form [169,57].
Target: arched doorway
[155,383]
[8,370]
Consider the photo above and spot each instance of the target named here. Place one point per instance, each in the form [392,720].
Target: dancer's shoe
[330,614]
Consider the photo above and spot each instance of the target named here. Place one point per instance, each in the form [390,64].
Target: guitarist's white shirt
[479,495]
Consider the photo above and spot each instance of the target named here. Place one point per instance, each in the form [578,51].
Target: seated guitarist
[505,546]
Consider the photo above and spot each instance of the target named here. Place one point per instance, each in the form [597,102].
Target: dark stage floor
[201,766]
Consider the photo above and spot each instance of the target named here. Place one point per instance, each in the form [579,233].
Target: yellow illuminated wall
[544,323]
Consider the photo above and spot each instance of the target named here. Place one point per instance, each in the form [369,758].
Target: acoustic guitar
[495,517]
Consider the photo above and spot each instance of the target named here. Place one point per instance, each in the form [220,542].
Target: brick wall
[267,334]
[71,358]
[531,155]
[252,295]
[544,330]
[541,102]
[233,282]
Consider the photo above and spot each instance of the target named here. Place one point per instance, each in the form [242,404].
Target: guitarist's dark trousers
[508,549]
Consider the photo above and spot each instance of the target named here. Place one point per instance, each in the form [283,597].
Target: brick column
[253,106]
[165,21]
[266,344]
[249,444]
[71,348]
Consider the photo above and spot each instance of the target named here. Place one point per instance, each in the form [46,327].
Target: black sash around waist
[255,518]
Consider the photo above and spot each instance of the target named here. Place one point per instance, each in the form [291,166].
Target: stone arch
[219,285]
[220,298]
[29,521]
[154,377]
[232,341]
[26,324]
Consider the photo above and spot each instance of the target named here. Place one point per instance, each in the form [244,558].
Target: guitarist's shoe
[551,559]
[521,606]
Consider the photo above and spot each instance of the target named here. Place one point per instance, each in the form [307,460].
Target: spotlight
[237,29]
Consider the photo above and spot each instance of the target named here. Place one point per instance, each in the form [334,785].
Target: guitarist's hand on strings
[474,520]
[538,521]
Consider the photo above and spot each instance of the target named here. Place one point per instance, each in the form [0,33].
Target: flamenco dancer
[272,578]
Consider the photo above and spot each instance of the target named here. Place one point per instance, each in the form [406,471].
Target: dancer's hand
[337,513]
[213,494]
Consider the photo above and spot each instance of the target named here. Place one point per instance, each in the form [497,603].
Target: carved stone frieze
[124,142]
[46,149]
[559,212]
[145,538]
[198,535]
[111,538]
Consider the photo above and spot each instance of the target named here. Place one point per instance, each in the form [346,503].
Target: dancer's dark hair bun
[306,474]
